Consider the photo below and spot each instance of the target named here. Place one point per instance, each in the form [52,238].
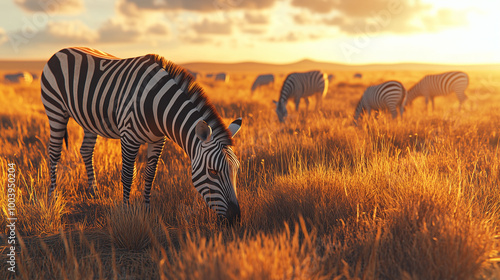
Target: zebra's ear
[235,126]
[275,102]
[203,131]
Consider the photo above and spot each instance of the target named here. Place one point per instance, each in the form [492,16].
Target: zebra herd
[148,99]
[390,95]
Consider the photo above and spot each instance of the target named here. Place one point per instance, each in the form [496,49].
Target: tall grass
[412,198]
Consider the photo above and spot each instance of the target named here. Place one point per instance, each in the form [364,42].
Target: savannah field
[411,198]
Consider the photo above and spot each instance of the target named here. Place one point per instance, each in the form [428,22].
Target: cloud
[158,29]
[51,6]
[444,18]
[212,27]
[67,32]
[114,32]
[295,36]
[194,39]
[201,5]
[377,16]
[256,18]
[251,30]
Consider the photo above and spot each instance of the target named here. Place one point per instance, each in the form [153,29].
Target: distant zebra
[441,84]
[24,78]
[301,85]
[140,100]
[222,77]
[262,80]
[386,96]
[358,76]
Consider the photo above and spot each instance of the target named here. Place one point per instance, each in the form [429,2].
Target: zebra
[388,95]
[222,77]
[144,99]
[301,85]
[440,84]
[262,80]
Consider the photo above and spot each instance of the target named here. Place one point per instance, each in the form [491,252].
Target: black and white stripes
[262,80]
[301,85]
[441,84]
[140,100]
[386,96]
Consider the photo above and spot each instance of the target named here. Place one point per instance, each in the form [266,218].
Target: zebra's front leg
[297,103]
[307,104]
[154,152]
[58,131]
[129,154]
[87,152]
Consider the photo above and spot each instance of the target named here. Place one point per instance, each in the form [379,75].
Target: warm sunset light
[355,31]
[249,139]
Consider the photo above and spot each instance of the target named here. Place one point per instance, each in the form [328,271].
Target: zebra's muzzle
[233,214]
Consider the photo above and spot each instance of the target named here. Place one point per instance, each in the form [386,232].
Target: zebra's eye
[212,172]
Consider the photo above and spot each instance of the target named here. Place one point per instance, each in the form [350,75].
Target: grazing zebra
[301,85]
[222,77]
[441,84]
[386,96]
[262,80]
[140,100]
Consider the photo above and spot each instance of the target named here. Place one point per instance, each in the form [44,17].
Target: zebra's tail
[66,137]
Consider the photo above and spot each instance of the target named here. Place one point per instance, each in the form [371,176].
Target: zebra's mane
[199,98]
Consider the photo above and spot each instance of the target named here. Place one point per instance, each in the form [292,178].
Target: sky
[274,31]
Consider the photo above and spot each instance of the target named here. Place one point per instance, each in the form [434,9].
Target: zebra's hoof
[52,197]
[91,192]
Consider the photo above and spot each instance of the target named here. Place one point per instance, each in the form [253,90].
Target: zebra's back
[262,80]
[104,94]
[431,86]
[445,83]
[389,95]
[299,85]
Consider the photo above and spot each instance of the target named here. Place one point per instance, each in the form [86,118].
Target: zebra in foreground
[140,100]
[440,84]
[301,85]
[390,96]
[262,80]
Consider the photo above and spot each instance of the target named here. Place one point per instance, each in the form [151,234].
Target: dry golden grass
[412,198]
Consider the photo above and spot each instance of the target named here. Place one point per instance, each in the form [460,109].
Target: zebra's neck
[183,105]
[286,92]
[413,92]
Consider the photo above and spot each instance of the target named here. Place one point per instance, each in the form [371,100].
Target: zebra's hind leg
[87,152]
[129,154]
[58,131]
[154,152]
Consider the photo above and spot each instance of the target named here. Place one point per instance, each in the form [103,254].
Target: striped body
[222,77]
[262,80]
[386,96]
[140,100]
[441,84]
[301,85]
